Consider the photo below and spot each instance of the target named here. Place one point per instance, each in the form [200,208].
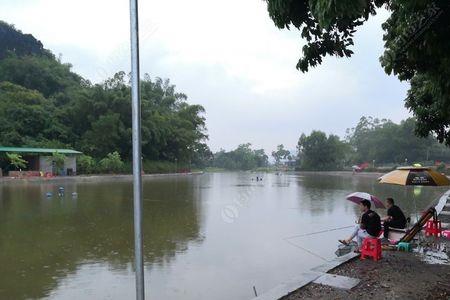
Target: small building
[39,161]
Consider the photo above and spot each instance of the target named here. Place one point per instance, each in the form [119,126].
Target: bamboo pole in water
[136,136]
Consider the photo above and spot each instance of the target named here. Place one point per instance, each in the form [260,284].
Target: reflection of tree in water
[323,193]
[43,240]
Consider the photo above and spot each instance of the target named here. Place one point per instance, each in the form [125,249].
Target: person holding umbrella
[369,226]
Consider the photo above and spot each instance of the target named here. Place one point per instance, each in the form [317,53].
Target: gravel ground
[398,275]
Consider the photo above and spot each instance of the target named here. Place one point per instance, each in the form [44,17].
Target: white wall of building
[70,163]
[45,164]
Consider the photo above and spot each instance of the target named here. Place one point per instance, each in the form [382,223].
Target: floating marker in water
[61,191]
[49,194]
[74,194]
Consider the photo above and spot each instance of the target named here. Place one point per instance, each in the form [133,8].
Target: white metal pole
[136,136]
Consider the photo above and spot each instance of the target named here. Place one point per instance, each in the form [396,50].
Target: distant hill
[13,40]
[44,104]
[24,61]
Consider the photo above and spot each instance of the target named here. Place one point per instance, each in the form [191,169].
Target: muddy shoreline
[125,177]
[93,178]
[421,274]
[398,275]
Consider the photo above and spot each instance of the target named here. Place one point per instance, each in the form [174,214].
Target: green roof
[38,150]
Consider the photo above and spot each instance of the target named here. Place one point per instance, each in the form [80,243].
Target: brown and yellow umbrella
[415,176]
[421,176]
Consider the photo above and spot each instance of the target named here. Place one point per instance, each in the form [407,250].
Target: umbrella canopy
[415,176]
[357,197]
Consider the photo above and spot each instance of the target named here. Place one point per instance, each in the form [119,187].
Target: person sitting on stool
[370,225]
[395,217]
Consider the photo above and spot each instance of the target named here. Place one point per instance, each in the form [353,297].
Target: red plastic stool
[371,247]
[433,227]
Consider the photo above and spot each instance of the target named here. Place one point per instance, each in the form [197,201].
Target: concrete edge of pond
[94,178]
[306,278]
[285,288]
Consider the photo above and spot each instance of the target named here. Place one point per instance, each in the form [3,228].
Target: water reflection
[320,188]
[82,247]
[44,239]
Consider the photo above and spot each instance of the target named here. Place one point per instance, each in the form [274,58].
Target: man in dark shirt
[395,217]
[371,221]
[370,225]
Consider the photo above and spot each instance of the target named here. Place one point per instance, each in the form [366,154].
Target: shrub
[112,163]
[58,159]
[16,161]
[85,164]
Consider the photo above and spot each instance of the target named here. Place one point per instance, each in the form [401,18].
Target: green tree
[262,160]
[112,163]
[417,48]
[14,41]
[202,156]
[242,158]
[25,116]
[280,154]
[44,104]
[387,142]
[85,164]
[321,153]
[41,73]
[16,161]
[106,133]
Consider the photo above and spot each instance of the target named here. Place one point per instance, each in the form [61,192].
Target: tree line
[44,104]
[416,47]
[246,158]
[372,140]
[242,158]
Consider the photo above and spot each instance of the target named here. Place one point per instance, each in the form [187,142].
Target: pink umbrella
[357,197]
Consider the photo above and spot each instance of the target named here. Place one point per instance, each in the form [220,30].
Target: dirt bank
[398,275]
[92,178]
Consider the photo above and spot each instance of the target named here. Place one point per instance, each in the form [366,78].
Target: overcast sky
[227,56]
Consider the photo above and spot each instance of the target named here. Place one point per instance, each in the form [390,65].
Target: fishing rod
[306,250]
[286,239]
[318,232]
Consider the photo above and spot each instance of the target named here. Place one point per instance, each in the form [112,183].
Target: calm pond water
[211,236]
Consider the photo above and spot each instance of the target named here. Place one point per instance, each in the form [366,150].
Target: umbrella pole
[417,217]
[415,210]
